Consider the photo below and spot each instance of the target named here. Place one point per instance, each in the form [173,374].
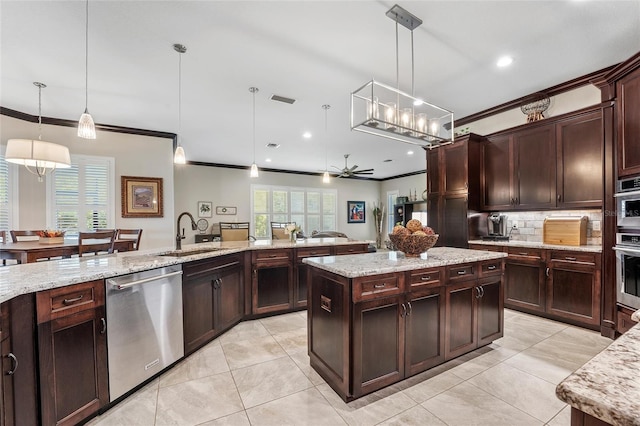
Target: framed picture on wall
[141,196]
[205,209]
[355,212]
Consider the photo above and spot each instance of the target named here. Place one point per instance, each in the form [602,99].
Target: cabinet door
[272,288]
[461,331]
[433,171]
[454,226]
[628,117]
[573,291]
[73,367]
[198,311]
[497,174]
[579,161]
[424,346]
[229,298]
[456,168]
[524,284]
[490,310]
[434,206]
[378,344]
[7,397]
[535,164]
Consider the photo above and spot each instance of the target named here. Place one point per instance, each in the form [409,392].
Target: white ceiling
[317,52]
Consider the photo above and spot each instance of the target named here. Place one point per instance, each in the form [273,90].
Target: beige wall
[134,156]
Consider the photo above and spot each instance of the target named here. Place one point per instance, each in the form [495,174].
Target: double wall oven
[627,246]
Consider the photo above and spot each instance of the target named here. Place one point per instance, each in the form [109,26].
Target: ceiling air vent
[282,99]
[273,145]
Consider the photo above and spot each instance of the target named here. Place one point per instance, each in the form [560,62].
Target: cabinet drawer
[572,256]
[350,249]
[424,277]
[525,252]
[210,266]
[485,247]
[624,322]
[462,272]
[271,255]
[376,286]
[63,301]
[491,267]
[313,252]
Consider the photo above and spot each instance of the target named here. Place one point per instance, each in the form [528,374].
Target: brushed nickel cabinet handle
[104,325]
[477,289]
[547,272]
[481,291]
[14,361]
[74,300]
[383,285]
[404,311]
[410,308]
[427,278]
[571,258]
[462,272]
[491,267]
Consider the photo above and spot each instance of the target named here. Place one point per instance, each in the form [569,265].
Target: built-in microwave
[628,203]
[627,250]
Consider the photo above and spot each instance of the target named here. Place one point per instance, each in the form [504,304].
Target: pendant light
[38,157]
[254,166]
[86,127]
[325,176]
[179,157]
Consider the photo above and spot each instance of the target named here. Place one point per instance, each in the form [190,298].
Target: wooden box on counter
[568,231]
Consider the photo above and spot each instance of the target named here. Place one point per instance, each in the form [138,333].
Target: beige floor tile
[429,388]
[244,331]
[563,418]
[269,380]
[292,341]
[481,359]
[205,362]
[467,405]
[542,365]
[197,401]
[522,390]
[283,323]
[307,407]
[416,416]
[138,409]
[236,419]
[302,361]
[254,351]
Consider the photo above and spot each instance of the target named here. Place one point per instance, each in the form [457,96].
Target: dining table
[32,251]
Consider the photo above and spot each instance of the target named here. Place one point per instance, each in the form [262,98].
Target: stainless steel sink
[182,253]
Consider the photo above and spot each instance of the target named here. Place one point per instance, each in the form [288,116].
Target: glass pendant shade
[39,157]
[86,127]
[326,178]
[179,157]
[254,170]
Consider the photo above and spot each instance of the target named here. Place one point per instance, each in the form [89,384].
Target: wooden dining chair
[96,242]
[234,231]
[278,232]
[17,236]
[130,234]
[3,236]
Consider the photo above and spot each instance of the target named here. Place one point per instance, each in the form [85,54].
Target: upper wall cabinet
[628,117]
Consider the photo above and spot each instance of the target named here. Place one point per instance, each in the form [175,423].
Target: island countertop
[353,266]
[608,386]
[32,277]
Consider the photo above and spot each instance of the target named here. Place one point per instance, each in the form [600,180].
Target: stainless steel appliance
[496,227]
[627,250]
[145,335]
[628,203]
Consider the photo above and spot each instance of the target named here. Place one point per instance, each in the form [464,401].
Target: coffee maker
[497,226]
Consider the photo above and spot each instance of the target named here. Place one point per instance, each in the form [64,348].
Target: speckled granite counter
[382,263]
[608,386]
[32,277]
[529,244]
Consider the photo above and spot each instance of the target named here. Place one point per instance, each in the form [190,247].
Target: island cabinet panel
[461,319]
[300,286]
[490,310]
[212,298]
[424,333]
[73,352]
[272,280]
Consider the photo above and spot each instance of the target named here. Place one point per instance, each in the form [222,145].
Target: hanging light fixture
[39,157]
[325,176]
[86,127]
[386,111]
[254,167]
[179,156]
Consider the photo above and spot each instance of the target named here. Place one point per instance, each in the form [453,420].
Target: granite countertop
[352,266]
[531,244]
[608,386]
[31,277]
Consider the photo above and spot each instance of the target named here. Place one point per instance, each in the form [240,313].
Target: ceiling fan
[351,171]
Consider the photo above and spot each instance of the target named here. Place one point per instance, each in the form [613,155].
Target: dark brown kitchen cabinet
[623,321]
[271,280]
[525,279]
[535,168]
[433,171]
[497,175]
[490,309]
[453,226]
[212,298]
[579,150]
[455,168]
[73,352]
[300,287]
[424,331]
[628,121]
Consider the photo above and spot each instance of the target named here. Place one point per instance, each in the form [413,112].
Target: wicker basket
[413,245]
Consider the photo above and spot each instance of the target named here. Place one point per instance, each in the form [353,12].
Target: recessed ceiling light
[268,160]
[418,102]
[409,152]
[306,135]
[504,61]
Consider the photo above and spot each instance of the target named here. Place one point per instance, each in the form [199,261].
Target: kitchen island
[375,319]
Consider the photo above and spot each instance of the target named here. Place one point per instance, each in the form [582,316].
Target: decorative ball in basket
[413,239]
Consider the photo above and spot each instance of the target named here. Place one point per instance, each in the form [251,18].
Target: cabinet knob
[14,362]
[559,197]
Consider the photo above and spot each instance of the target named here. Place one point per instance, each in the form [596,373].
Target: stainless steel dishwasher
[144,317]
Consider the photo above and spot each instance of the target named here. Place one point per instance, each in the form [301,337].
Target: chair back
[130,234]
[17,236]
[278,232]
[3,236]
[234,231]
[96,242]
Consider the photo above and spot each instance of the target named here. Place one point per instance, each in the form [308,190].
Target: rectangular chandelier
[385,111]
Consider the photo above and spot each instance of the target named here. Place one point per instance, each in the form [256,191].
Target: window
[81,198]
[8,194]
[391,201]
[310,208]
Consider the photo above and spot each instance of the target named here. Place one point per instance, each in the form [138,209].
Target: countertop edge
[531,244]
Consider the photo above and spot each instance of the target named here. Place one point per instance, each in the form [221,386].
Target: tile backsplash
[530,224]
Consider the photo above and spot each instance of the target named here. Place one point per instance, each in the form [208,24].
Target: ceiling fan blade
[363,171]
[353,168]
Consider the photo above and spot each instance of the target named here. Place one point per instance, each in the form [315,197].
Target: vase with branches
[378,219]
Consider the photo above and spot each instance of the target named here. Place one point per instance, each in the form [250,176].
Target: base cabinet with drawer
[73,352]
[271,280]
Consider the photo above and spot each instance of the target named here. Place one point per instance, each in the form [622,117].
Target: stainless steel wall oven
[628,203]
[628,268]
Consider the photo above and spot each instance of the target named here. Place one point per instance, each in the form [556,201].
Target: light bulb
[254,171]
[326,178]
[179,157]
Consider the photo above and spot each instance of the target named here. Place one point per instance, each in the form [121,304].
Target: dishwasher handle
[142,281]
